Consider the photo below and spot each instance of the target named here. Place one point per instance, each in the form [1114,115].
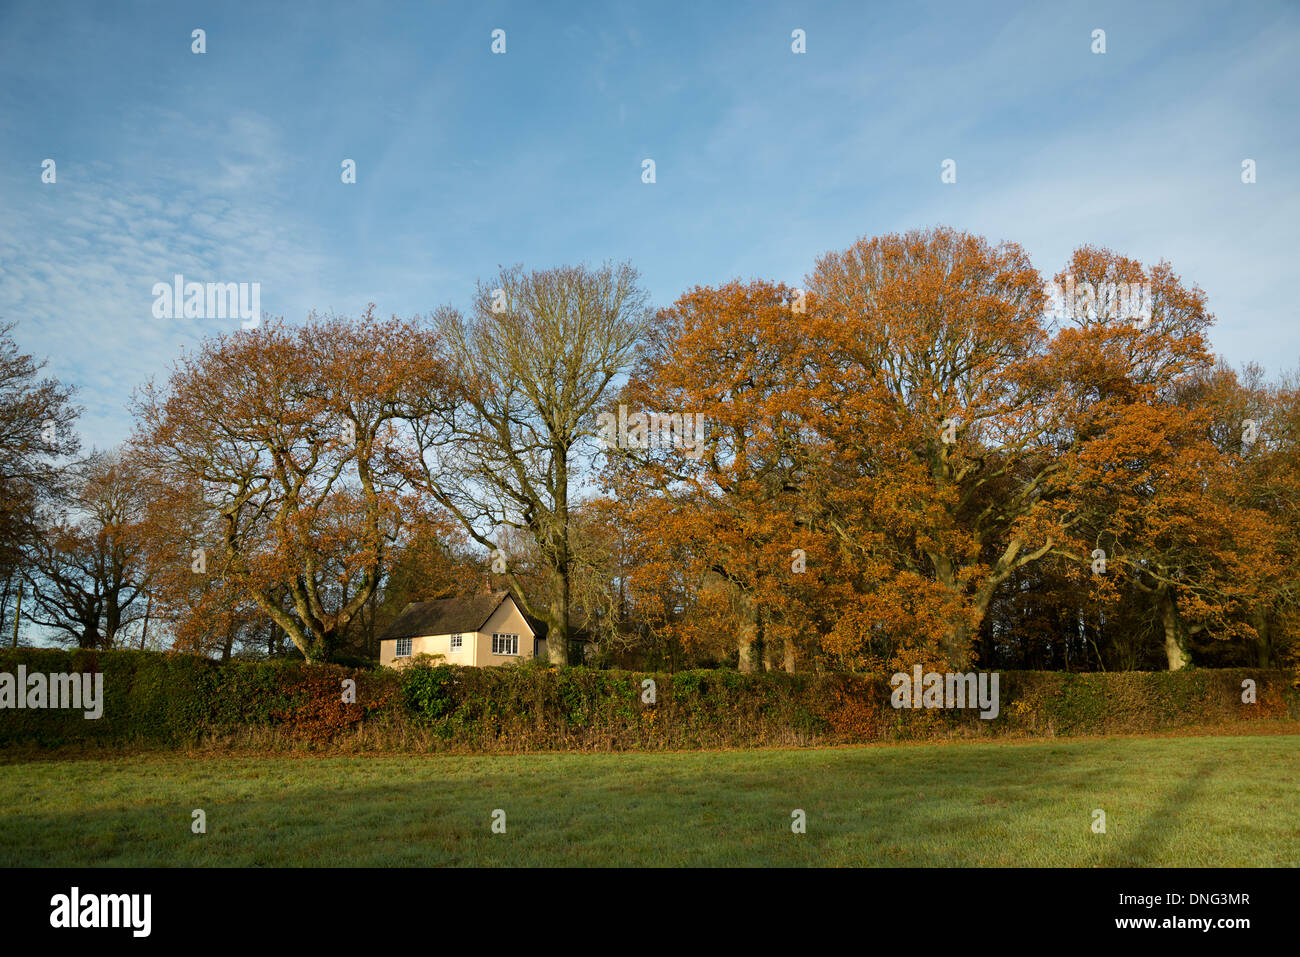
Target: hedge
[155,700]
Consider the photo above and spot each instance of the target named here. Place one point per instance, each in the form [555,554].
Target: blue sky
[225,166]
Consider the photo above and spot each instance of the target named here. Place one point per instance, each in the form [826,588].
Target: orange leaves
[916,457]
[273,450]
[728,532]
[926,432]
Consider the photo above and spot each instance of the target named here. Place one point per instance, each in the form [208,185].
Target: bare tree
[87,574]
[531,365]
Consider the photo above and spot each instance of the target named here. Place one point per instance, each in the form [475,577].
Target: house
[488,628]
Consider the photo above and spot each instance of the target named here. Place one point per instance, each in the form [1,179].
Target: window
[403,648]
[455,642]
[505,644]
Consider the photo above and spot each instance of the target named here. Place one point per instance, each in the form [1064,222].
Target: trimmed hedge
[181,701]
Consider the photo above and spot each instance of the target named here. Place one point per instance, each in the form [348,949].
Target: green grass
[1202,801]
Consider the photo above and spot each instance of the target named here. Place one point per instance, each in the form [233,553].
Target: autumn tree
[971,437]
[194,605]
[1255,427]
[1142,480]
[277,441]
[934,403]
[716,500]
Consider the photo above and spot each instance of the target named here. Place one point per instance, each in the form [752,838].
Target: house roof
[448,616]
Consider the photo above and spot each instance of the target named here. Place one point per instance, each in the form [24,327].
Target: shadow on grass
[1146,846]
[934,806]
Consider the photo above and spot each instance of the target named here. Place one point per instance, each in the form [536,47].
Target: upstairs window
[505,644]
[403,648]
[456,642]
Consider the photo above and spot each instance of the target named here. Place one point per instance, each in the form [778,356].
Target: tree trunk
[748,645]
[956,637]
[558,651]
[745,647]
[1174,652]
[557,625]
[112,622]
[956,644]
[1263,640]
[144,629]
[18,610]
[4,598]
[557,633]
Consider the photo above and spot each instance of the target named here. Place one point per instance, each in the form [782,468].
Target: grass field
[1197,801]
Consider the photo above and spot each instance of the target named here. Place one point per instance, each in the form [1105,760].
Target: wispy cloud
[225,166]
